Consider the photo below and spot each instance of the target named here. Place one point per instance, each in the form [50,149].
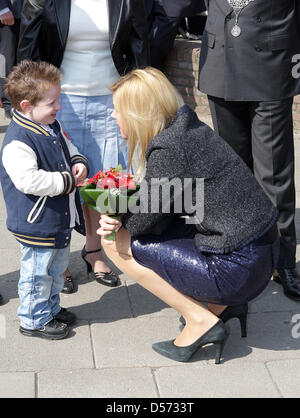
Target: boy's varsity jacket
[37,202]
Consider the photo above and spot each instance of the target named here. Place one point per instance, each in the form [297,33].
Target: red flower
[126,182]
[123,185]
[107,183]
[110,179]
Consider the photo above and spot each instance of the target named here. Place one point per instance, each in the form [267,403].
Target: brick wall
[182,70]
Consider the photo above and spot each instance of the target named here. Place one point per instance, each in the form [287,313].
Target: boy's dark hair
[30,80]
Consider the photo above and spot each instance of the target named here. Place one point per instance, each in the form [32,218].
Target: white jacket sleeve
[20,163]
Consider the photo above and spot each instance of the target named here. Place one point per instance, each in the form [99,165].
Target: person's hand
[79,171]
[7,19]
[107,225]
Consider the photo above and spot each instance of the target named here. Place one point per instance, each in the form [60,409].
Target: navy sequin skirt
[225,279]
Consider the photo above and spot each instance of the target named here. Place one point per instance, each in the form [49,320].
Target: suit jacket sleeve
[4,4]
[31,21]
[138,39]
[298,14]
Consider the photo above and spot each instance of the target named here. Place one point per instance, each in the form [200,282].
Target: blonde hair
[147,103]
[30,80]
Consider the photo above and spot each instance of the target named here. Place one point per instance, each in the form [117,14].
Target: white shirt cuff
[4,11]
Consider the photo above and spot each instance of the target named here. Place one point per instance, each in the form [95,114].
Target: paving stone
[286,374]
[216,381]
[107,383]
[269,337]
[9,292]
[17,385]
[20,353]
[93,301]
[272,299]
[143,302]
[129,342]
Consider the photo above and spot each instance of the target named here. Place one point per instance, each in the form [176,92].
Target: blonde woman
[224,253]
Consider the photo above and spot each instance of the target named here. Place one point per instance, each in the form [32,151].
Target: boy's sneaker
[54,330]
[65,316]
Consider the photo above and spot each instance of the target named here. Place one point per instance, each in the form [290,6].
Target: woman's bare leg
[216,309]
[198,318]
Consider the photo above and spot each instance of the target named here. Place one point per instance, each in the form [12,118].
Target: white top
[87,66]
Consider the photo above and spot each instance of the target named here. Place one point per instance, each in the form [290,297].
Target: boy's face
[45,110]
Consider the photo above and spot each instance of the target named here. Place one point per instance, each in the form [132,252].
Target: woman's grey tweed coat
[236,209]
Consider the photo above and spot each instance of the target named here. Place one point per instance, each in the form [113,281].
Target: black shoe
[1,299]
[68,285]
[215,335]
[65,317]
[110,279]
[287,278]
[54,330]
[237,311]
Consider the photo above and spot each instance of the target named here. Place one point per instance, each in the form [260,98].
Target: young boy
[39,170]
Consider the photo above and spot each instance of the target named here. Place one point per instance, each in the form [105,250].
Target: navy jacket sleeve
[15,6]
[4,4]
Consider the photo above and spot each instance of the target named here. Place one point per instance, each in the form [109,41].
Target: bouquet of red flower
[111,192]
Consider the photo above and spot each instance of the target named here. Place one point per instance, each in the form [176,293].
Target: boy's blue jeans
[41,281]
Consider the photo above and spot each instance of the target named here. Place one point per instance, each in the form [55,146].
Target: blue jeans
[41,281]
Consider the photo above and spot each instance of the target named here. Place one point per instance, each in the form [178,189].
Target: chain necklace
[238,6]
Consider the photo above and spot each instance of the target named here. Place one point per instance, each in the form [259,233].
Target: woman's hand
[107,225]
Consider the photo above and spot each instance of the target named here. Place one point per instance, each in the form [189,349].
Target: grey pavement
[108,353]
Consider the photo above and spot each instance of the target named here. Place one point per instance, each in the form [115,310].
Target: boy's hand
[79,171]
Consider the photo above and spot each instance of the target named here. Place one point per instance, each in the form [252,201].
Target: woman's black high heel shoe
[108,279]
[216,335]
[237,311]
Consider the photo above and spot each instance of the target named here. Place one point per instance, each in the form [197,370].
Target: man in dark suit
[246,69]
[10,13]
[164,17]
